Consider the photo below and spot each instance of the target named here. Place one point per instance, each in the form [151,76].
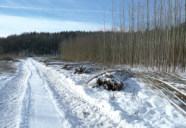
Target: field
[36,92]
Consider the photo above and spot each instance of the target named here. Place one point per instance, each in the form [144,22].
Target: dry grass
[9,56]
[7,67]
[8,63]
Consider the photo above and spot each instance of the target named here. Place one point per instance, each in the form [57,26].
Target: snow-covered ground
[37,96]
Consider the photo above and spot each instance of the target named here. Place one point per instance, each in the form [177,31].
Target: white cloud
[17,25]
[32,8]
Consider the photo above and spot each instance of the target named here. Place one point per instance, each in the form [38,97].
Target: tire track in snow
[78,112]
[26,104]
[11,99]
[4,80]
[38,108]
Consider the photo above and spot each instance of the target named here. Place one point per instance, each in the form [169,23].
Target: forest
[34,43]
[150,33]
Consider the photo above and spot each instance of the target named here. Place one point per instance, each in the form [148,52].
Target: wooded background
[150,33]
[34,43]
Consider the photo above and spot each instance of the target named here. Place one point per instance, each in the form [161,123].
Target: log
[52,63]
[108,75]
[101,74]
[99,82]
[109,84]
[169,86]
[75,71]
[116,87]
[45,62]
[95,86]
[171,102]
[80,70]
[64,67]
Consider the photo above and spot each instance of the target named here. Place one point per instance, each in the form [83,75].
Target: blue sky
[18,16]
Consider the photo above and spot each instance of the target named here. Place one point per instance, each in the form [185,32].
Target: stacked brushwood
[81,70]
[8,59]
[50,62]
[66,67]
[108,82]
[46,62]
[78,70]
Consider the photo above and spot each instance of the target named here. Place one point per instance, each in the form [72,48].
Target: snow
[40,107]
[122,108]
[168,83]
[11,97]
[40,96]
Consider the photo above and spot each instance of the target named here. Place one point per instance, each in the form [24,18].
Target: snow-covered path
[75,111]
[36,98]
[39,107]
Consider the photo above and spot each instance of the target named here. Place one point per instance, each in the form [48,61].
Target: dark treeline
[36,44]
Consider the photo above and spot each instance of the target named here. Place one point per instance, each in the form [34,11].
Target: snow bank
[144,109]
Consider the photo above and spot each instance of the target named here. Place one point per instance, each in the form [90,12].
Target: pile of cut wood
[67,67]
[80,70]
[45,62]
[9,59]
[108,82]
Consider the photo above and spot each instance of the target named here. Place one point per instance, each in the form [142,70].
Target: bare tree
[174,45]
[103,55]
[149,37]
[184,42]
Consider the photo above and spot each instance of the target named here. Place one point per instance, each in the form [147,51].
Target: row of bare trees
[151,33]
